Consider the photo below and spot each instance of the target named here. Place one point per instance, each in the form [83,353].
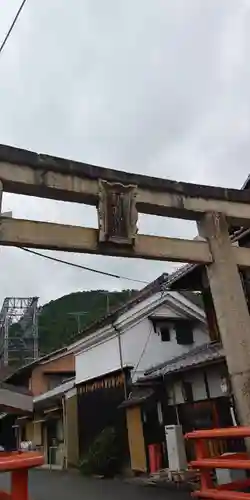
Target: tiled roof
[158,285]
[139,296]
[204,353]
[138,396]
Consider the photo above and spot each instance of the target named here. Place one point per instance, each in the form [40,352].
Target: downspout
[121,359]
[65,434]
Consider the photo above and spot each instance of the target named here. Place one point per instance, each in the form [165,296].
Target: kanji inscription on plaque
[117,213]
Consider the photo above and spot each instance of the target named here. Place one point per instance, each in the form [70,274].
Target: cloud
[160,88]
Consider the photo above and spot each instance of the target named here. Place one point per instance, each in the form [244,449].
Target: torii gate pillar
[231,309]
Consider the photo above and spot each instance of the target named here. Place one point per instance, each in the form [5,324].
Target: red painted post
[155,456]
[18,463]
[19,484]
[206,463]
[202,452]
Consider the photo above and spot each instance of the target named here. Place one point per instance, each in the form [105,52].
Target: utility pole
[107,306]
[77,315]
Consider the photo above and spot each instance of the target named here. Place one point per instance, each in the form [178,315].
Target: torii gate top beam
[118,197]
[29,173]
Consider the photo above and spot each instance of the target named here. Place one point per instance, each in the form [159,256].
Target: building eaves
[205,353]
[60,390]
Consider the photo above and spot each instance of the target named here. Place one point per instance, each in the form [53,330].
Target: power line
[12,25]
[85,268]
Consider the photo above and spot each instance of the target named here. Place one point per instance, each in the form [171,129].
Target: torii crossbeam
[118,197]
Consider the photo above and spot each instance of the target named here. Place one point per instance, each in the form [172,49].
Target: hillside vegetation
[57,325]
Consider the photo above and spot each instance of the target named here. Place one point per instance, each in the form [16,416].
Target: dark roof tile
[204,353]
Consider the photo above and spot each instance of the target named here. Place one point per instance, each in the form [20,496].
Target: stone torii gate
[118,197]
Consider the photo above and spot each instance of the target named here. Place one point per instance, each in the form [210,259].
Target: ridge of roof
[155,286]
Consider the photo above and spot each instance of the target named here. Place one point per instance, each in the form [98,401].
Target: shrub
[104,455]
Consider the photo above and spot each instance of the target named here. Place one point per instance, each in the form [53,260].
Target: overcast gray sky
[152,86]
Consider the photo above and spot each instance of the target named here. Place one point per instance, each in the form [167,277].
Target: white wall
[141,348]
[97,360]
[214,376]
[142,337]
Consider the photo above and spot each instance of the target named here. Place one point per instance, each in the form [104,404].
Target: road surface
[46,485]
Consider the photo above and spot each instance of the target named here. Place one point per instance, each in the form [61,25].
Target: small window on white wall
[184,332]
[165,333]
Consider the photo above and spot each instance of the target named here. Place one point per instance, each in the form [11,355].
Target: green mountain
[57,323]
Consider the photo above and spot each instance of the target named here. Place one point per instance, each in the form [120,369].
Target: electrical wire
[12,25]
[85,268]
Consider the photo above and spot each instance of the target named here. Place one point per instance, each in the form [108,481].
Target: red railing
[235,490]
[18,463]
